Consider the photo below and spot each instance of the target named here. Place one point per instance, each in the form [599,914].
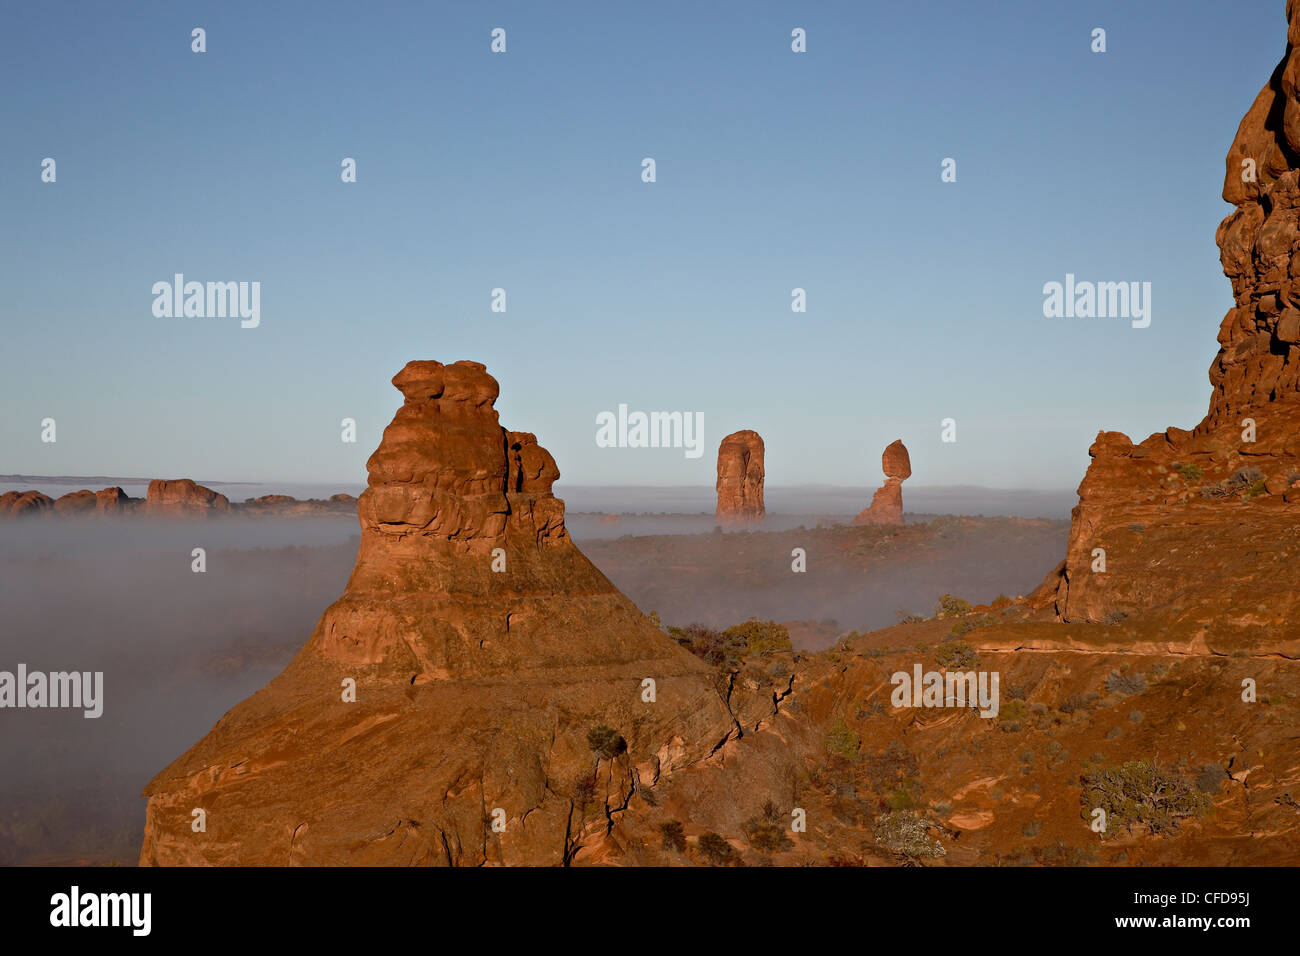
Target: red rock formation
[1182,521]
[740,477]
[114,501]
[887,504]
[17,504]
[488,653]
[75,502]
[181,497]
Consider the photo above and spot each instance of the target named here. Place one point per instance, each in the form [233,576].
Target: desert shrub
[891,767]
[1136,716]
[1000,602]
[1125,684]
[760,637]
[1072,703]
[720,648]
[1114,617]
[766,831]
[583,791]
[905,833]
[716,850]
[1210,778]
[962,627]
[1189,472]
[951,606]
[956,655]
[1031,829]
[1245,477]
[672,836]
[1141,793]
[899,799]
[605,742]
[842,741]
[1011,714]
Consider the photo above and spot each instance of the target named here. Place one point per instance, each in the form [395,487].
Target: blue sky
[522,170]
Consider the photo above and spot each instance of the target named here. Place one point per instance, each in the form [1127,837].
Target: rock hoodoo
[740,477]
[887,504]
[487,654]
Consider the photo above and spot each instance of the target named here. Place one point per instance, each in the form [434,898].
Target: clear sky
[522,170]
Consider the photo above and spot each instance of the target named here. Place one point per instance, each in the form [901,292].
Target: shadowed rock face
[1202,521]
[887,503]
[485,649]
[740,477]
[22,503]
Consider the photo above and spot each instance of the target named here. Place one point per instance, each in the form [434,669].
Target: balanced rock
[887,504]
[740,477]
[480,693]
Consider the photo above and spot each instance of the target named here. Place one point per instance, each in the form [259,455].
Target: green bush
[842,741]
[717,850]
[606,742]
[956,655]
[766,831]
[760,637]
[951,606]
[672,836]
[1140,793]
[1189,472]
[720,648]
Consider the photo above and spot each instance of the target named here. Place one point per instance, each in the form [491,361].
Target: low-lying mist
[177,648]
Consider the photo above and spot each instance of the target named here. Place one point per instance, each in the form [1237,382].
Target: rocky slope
[491,662]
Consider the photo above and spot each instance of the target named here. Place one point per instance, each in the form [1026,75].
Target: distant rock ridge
[886,506]
[174,498]
[740,477]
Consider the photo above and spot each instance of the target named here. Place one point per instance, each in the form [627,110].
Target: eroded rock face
[1199,522]
[18,504]
[181,497]
[740,477]
[887,503]
[486,652]
[76,502]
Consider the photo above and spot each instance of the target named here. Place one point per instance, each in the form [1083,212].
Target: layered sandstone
[740,477]
[487,653]
[887,503]
[1199,523]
